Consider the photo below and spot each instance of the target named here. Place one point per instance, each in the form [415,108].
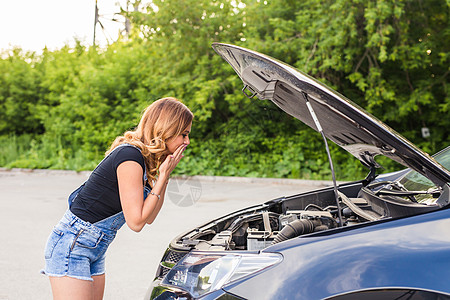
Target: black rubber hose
[296,228]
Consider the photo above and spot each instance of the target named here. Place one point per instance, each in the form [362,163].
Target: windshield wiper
[434,192]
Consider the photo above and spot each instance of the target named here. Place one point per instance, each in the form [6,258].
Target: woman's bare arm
[138,212]
[159,204]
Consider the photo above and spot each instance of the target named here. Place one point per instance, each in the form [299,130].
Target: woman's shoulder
[127,148]
[126,153]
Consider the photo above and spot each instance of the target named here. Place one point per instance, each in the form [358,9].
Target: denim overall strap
[74,194]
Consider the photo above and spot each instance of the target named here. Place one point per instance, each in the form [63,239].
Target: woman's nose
[186,140]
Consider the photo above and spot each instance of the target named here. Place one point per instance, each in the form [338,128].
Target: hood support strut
[319,128]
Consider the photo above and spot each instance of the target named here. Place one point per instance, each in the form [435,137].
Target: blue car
[381,237]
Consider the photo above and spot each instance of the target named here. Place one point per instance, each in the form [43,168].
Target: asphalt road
[33,201]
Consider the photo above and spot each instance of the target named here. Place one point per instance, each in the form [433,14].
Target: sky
[34,24]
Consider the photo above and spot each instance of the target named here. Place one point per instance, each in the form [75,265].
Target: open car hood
[342,121]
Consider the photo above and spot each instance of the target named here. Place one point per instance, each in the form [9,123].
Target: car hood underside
[340,120]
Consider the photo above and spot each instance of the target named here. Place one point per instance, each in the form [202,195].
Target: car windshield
[414,181]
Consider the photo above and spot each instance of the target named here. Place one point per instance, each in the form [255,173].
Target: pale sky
[34,24]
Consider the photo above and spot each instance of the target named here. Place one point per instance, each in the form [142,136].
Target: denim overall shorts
[77,248]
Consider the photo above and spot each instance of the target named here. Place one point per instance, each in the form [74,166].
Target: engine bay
[260,226]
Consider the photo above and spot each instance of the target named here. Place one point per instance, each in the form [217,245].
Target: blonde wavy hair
[161,121]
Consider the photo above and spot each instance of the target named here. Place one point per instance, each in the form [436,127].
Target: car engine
[258,227]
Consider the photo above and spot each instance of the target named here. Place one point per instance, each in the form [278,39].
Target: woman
[127,186]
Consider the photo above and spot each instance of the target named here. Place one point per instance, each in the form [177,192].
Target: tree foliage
[62,109]
[390,57]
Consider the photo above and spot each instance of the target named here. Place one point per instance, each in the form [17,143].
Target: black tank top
[99,198]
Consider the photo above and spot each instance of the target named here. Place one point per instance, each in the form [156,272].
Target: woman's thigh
[71,288]
[98,286]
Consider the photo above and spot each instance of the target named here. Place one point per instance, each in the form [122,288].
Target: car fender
[390,254]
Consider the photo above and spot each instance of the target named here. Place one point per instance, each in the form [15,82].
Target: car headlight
[200,273]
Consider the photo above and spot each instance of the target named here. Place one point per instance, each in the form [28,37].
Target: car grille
[163,271]
[171,258]
[174,256]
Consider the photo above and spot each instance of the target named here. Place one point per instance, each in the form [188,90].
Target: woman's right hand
[171,161]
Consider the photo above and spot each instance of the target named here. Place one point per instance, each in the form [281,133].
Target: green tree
[19,93]
[391,57]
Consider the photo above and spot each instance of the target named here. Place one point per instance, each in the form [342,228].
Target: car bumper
[157,291]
